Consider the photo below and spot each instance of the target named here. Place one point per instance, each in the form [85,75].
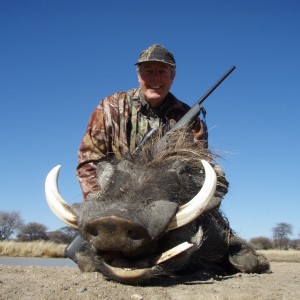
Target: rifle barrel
[202,99]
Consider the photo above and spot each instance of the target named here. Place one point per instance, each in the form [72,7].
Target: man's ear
[139,77]
[174,76]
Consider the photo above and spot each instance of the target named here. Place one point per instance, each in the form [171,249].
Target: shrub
[262,243]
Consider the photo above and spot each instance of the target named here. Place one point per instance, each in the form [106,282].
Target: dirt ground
[29,282]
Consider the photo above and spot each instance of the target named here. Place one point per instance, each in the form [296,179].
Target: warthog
[157,214]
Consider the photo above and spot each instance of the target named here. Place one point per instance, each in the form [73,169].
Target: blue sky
[58,59]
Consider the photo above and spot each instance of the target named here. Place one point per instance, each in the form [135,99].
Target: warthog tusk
[186,213]
[173,252]
[57,204]
[127,273]
[200,203]
[134,274]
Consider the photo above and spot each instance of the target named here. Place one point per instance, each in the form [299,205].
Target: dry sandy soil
[29,282]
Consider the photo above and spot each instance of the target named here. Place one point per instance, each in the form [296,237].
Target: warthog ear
[157,215]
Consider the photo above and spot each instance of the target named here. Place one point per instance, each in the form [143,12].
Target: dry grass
[281,255]
[50,249]
[31,249]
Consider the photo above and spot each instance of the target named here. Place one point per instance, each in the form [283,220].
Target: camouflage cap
[158,53]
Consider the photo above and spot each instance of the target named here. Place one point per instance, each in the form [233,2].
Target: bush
[63,236]
[33,232]
[295,244]
[59,237]
[262,243]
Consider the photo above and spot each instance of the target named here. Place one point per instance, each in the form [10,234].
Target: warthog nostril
[107,228]
[91,230]
[135,234]
[116,234]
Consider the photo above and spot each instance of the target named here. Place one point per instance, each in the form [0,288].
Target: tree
[69,231]
[280,234]
[9,223]
[58,237]
[64,235]
[295,244]
[32,232]
[261,243]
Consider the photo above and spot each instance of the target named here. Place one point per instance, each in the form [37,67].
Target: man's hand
[200,131]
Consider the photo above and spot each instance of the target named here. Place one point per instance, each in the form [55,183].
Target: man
[121,120]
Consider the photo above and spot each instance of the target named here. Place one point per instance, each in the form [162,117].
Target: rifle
[187,120]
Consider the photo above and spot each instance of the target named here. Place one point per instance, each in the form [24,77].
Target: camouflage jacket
[116,127]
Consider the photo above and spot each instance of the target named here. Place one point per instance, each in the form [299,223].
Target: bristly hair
[179,143]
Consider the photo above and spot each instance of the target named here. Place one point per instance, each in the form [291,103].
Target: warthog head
[155,213]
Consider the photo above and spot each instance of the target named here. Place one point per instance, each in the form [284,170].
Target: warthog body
[130,226]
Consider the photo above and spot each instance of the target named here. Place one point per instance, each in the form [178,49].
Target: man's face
[155,80]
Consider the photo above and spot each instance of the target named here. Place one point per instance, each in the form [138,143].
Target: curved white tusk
[126,274]
[200,203]
[55,201]
[167,255]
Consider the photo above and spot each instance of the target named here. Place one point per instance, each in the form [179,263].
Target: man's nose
[155,74]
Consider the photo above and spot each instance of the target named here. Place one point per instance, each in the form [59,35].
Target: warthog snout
[113,233]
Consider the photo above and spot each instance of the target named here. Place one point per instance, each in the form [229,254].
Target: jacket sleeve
[94,146]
